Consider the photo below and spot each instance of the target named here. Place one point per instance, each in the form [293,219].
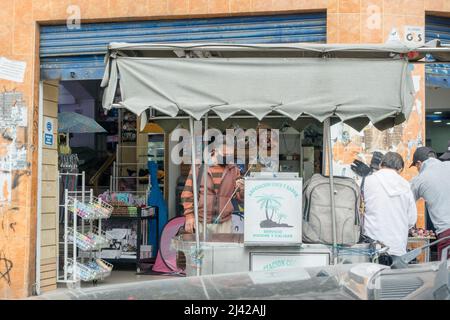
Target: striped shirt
[219,189]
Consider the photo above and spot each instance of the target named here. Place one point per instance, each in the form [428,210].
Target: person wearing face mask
[390,207]
[224,183]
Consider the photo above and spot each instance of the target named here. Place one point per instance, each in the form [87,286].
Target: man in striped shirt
[223,180]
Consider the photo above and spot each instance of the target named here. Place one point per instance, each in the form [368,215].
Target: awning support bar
[327,129]
[195,192]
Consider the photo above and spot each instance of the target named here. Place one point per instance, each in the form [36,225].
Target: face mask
[211,160]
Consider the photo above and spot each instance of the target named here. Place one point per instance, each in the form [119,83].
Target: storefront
[61,49]
[112,164]
[229,95]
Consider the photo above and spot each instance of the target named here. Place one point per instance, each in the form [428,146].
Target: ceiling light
[448,123]
[437,121]
[438,112]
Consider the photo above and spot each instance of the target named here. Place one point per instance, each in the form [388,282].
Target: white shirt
[390,210]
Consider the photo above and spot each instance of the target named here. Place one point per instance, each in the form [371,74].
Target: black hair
[393,160]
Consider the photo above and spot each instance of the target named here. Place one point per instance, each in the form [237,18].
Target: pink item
[166,261]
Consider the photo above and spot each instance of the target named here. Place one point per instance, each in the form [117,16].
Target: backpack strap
[363,204]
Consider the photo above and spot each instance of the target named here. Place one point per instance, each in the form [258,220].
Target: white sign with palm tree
[273,211]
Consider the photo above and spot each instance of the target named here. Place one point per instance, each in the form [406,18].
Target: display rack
[141,219]
[82,236]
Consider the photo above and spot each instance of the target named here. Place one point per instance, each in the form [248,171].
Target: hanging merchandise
[63,144]
[68,162]
[68,177]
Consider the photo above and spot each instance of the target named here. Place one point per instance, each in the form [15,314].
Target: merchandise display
[94,209]
[421,233]
[93,270]
[90,241]
[83,238]
[123,199]
[130,235]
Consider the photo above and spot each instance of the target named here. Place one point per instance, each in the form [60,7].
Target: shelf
[132,218]
[121,260]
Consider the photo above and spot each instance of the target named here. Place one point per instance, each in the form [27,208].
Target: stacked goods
[104,265]
[96,209]
[82,241]
[82,272]
[421,233]
[100,241]
[92,270]
[125,211]
[103,210]
[88,242]
[148,212]
[123,199]
[83,210]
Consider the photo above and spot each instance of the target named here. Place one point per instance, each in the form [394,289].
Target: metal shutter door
[437,75]
[78,54]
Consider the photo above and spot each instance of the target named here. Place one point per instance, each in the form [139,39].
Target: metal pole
[66,218]
[205,185]
[327,128]
[302,155]
[91,197]
[195,192]
[74,248]
[39,192]
[83,199]
[324,148]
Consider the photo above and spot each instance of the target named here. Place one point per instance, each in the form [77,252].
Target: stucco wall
[348,21]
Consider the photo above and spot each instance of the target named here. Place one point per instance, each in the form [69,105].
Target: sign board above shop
[273,210]
[414,36]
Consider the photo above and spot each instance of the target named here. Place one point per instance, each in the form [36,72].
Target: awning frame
[203,51]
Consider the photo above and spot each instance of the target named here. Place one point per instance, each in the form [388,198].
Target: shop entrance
[84,162]
[113,165]
[72,66]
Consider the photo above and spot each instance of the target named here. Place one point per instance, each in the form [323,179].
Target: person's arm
[187,200]
[412,211]
[415,188]
[240,185]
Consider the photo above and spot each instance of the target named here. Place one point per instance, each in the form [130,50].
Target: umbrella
[72,122]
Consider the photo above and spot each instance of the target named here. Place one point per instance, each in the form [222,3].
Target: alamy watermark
[234,146]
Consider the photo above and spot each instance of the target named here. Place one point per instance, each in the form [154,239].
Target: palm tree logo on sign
[272,206]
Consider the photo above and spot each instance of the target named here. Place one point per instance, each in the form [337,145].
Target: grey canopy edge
[357,121]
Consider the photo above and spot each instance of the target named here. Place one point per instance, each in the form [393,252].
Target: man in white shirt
[390,206]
